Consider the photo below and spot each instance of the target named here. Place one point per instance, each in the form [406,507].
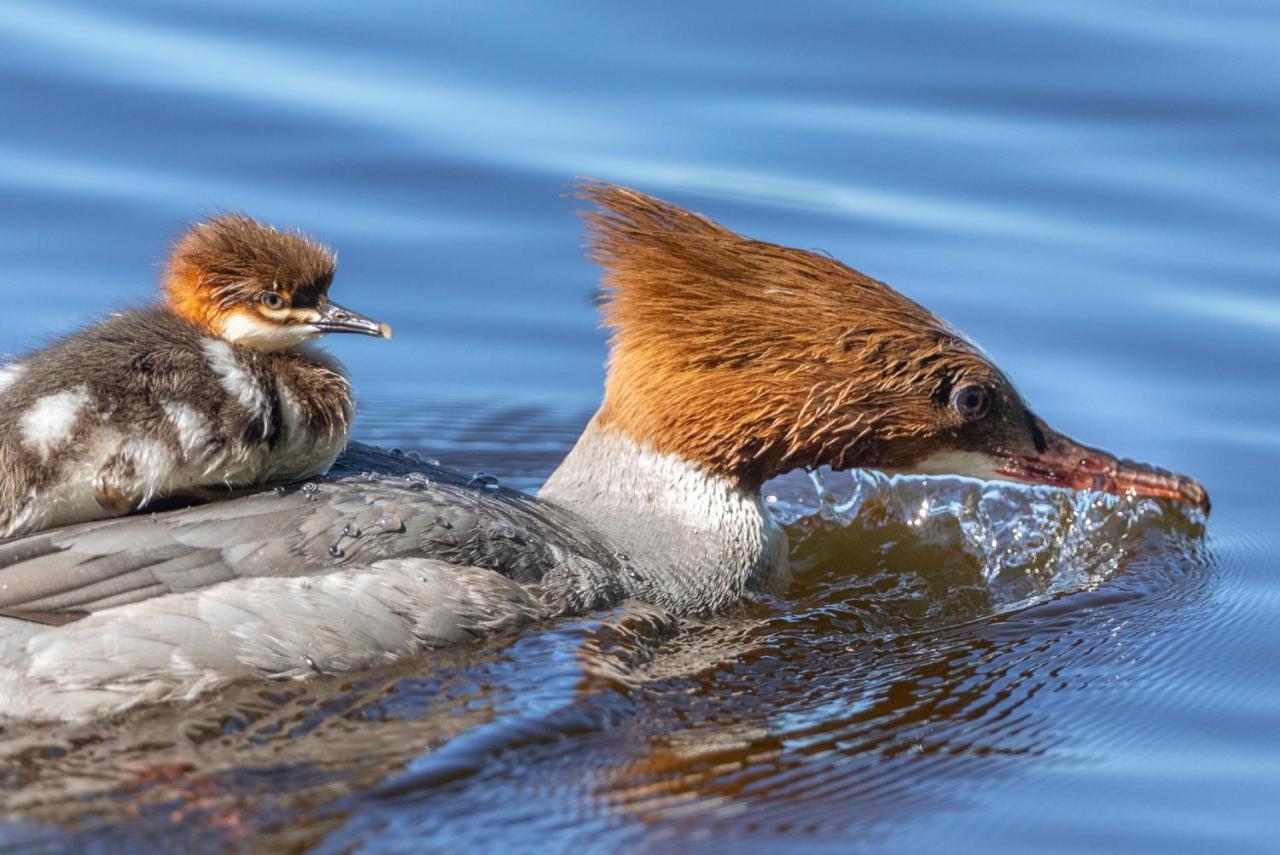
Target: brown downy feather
[752,359]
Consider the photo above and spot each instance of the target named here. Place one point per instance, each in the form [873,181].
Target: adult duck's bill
[1063,462]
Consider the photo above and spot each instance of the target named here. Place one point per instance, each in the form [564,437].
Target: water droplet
[484,481]
[398,452]
[433,461]
[414,456]
[335,550]
[416,481]
[281,491]
[391,524]
[351,530]
[309,491]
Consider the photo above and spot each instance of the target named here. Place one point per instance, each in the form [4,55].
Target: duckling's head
[257,286]
[751,359]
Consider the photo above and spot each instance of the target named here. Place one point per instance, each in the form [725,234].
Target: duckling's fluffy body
[146,404]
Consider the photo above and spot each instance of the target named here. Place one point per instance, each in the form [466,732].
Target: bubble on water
[417,481]
[484,481]
[310,490]
[351,530]
[335,550]
[414,456]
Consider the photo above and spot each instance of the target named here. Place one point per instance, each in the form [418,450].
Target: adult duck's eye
[971,402]
[272,300]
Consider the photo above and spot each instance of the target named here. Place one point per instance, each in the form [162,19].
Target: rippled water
[1088,189]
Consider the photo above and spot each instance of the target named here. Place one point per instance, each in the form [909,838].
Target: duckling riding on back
[215,389]
[732,361]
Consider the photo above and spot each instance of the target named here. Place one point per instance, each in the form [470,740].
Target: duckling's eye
[272,300]
[971,402]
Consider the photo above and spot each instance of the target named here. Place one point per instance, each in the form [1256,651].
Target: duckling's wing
[309,530]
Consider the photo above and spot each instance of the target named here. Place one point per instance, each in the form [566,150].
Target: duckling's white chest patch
[191,427]
[236,381]
[49,422]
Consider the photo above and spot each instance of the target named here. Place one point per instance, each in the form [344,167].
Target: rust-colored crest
[752,358]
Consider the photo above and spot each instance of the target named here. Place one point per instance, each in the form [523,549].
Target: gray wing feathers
[178,646]
[343,523]
[340,576]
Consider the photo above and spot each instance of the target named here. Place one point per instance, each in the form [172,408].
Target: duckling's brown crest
[225,260]
[752,358]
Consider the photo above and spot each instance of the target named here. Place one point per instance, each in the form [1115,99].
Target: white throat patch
[705,541]
[966,464]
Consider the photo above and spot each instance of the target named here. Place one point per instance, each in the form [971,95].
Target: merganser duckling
[732,361]
[214,389]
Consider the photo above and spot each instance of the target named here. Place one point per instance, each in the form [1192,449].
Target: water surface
[1091,190]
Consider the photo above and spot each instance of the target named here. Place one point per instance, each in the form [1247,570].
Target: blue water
[1091,190]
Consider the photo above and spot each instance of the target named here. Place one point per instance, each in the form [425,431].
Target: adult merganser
[212,390]
[732,361]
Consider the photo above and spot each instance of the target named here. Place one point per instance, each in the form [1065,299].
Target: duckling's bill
[338,319]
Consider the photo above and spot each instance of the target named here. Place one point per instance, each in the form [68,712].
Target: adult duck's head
[750,359]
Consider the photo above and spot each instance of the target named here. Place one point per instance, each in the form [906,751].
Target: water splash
[1020,542]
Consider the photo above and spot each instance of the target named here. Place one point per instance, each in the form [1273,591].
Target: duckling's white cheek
[251,331]
[10,373]
[49,422]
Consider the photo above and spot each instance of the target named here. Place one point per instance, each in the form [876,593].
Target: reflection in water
[904,668]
